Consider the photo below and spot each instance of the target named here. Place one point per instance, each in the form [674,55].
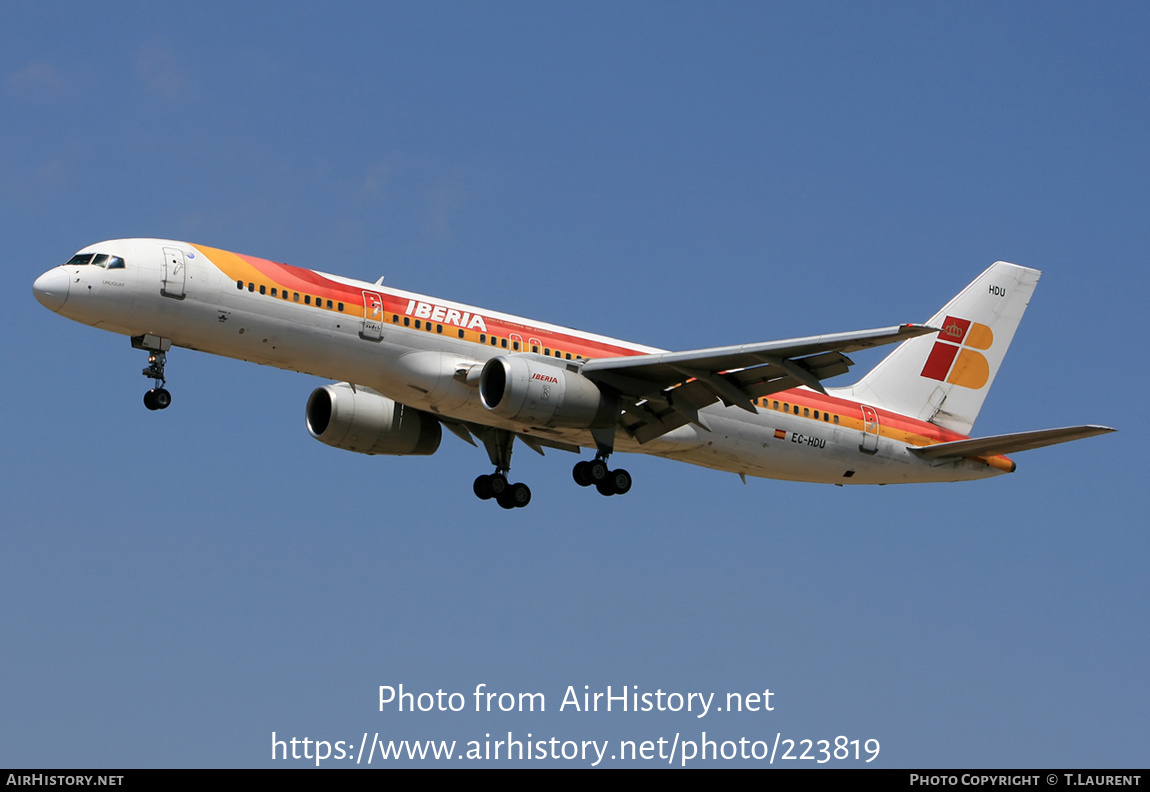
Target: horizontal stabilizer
[1007,443]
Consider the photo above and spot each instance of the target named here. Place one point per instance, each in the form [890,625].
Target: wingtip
[915,329]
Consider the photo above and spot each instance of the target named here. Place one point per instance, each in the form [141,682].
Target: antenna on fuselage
[380,281]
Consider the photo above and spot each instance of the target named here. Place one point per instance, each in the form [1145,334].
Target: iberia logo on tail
[953,358]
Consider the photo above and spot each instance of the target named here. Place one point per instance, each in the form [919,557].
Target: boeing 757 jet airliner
[406,366]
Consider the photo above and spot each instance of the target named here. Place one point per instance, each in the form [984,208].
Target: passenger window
[418,326]
[329,305]
[251,287]
[439,328]
[295,296]
[568,355]
[263,289]
[503,342]
[407,321]
[806,412]
[836,419]
[274,292]
[307,299]
[461,332]
[483,338]
[240,285]
[339,307]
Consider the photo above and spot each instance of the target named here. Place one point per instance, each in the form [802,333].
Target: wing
[468,431]
[663,391]
[1007,443]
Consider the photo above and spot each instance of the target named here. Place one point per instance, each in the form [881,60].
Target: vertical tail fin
[945,378]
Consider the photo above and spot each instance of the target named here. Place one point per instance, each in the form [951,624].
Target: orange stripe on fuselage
[902,428]
[277,275]
[237,267]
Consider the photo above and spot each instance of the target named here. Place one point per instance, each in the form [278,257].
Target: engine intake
[522,389]
[367,422]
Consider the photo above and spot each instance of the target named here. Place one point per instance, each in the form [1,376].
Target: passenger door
[175,273]
[372,317]
[870,430]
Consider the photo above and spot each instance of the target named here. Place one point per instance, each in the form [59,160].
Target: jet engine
[361,420]
[519,388]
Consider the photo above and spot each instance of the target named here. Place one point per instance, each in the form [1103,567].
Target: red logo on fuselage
[440,313]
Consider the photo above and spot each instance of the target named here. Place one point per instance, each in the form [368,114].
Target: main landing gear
[595,472]
[158,397]
[608,482]
[498,443]
[509,496]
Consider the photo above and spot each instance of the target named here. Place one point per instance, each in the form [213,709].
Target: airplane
[405,366]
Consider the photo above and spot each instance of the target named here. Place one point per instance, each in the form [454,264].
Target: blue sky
[174,587]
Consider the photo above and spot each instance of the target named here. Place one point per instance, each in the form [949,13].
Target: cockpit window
[97,260]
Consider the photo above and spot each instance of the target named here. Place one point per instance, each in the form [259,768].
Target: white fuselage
[203,307]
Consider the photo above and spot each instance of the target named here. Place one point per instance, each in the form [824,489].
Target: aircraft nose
[51,288]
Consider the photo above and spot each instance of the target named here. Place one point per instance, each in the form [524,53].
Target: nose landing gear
[158,397]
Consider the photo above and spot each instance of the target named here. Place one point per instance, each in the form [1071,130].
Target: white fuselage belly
[419,369]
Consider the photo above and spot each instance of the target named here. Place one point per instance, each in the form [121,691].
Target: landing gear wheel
[620,481]
[520,495]
[582,473]
[157,399]
[509,496]
[597,471]
[515,496]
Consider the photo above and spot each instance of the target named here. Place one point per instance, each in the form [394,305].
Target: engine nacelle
[522,389]
[367,422]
